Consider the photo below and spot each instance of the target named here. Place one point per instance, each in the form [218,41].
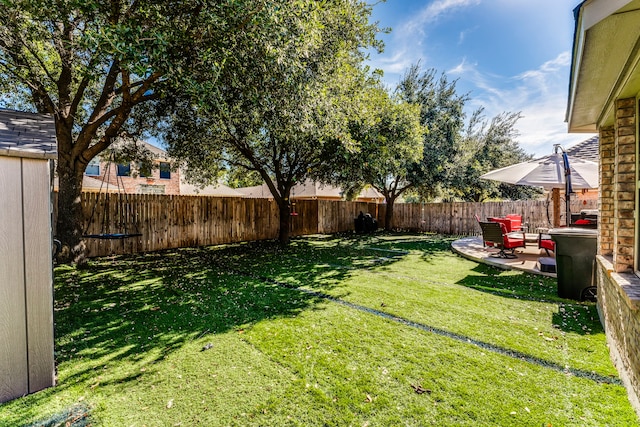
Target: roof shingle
[25,134]
[586,150]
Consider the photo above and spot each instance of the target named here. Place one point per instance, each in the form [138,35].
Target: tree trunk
[285,221]
[388,215]
[69,220]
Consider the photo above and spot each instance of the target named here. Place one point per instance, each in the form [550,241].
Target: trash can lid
[573,231]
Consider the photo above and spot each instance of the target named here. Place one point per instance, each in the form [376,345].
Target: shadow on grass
[431,246]
[139,309]
[572,316]
[578,318]
[509,284]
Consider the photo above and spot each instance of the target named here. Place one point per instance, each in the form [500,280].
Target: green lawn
[384,330]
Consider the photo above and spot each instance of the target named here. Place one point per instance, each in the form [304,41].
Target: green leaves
[280,101]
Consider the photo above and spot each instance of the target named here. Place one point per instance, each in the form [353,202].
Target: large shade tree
[92,64]
[281,103]
[389,142]
[442,113]
[457,153]
[488,145]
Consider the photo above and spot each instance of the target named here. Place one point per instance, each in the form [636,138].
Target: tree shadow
[139,309]
[578,318]
[397,245]
[510,284]
[572,316]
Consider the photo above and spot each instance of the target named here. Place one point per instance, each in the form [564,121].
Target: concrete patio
[526,258]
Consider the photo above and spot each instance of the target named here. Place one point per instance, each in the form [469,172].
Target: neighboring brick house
[136,178]
[604,97]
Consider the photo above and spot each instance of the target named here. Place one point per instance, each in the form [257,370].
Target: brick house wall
[624,184]
[618,287]
[616,227]
[606,200]
[141,185]
[136,184]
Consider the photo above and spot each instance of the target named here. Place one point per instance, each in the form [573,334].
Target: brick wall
[619,310]
[624,185]
[141,185]
[618,286]
[605,204]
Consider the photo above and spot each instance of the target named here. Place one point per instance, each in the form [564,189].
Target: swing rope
[106,218]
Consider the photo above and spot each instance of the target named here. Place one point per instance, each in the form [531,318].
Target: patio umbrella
[550,172]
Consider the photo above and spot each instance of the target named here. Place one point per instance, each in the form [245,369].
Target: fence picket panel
[177,221]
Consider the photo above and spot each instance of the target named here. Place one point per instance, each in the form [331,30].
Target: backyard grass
[382,330]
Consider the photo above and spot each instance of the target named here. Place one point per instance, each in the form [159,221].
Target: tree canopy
[101,67]
[489,145]
[442,113]
[388,142]
[439,156]
[281,103]
[275,88]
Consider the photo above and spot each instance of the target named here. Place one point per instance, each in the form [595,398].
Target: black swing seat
[112,236]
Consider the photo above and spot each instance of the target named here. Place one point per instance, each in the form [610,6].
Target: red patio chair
[516,222]
[505,221]
[495,234]
[545,242]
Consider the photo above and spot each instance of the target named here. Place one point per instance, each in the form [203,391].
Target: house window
[165,170]
[93,168]
[144,169]
[124,170]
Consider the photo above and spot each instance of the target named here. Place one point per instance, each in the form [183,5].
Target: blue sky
[510,55]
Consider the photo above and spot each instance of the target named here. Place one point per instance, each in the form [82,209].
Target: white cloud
[463,34]
[438,8]
[462,68]
[539,94]
[408,40]
[431,13]
[541,77]
[398,63]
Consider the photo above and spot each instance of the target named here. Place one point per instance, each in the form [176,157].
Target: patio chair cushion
[505,221]
[516,221]
[545,242]
[513,240]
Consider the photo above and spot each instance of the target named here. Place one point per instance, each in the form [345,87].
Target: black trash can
[575,258]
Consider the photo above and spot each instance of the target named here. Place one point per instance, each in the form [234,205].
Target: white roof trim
[595,11]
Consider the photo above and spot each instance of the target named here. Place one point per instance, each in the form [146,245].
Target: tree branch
[107,95]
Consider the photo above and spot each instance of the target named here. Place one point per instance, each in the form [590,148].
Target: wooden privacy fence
[459,218]
[167,222]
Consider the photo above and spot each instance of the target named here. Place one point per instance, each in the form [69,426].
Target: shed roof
[25,134]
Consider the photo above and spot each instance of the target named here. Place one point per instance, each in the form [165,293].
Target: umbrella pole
[567,195]
[567,182]
[555,193]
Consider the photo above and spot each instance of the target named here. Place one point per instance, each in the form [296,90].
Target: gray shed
[27,148]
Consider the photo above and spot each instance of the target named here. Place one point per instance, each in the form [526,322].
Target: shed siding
[13,332]
[26,278]
[38,273]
